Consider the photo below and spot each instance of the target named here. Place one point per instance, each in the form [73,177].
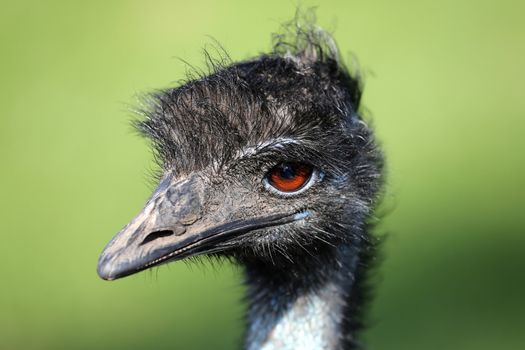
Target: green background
[445,91]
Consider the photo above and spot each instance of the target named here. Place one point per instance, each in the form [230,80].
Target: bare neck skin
[302,310]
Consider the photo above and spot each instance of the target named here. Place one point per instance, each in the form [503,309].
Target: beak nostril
[157,234]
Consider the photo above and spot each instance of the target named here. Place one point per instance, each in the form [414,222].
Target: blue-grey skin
[314,320]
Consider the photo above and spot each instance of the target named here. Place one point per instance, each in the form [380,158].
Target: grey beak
[172,226]
[156,231]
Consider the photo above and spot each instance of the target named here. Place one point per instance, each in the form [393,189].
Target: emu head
[265,160]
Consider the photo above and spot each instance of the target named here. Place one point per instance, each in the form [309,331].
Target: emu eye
[289,177]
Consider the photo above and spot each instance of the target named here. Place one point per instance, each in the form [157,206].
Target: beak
[174,224]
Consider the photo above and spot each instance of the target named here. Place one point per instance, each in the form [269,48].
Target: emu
[268,163]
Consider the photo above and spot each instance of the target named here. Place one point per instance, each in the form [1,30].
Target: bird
[269,163]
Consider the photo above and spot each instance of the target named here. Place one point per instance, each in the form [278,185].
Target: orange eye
[289,177]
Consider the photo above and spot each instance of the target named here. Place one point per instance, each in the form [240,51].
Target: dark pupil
[287,171]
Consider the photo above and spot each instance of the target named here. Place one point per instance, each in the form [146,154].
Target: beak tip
[105,269]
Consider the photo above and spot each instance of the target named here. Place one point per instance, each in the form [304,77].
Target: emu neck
[303,308]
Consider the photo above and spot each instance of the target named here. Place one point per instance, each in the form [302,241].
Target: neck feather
[312,307]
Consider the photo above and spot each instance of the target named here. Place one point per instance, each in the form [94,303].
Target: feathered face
[266,159]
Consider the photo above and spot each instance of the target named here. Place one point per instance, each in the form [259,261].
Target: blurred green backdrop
[444,86]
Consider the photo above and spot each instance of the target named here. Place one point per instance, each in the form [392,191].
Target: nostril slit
[157,234]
